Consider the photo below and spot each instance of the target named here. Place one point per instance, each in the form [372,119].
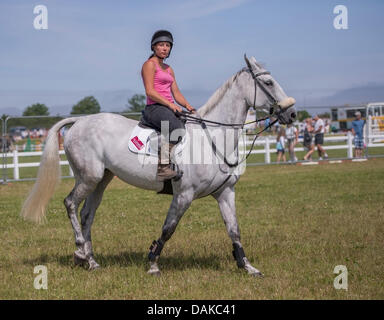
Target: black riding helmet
[162,35]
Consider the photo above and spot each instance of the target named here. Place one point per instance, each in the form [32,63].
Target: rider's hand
[175,108]
[190,108]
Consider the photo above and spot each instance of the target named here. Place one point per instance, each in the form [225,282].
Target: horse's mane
[218,95]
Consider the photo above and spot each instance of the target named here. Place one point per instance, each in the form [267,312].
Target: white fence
[267,142]
[16,165]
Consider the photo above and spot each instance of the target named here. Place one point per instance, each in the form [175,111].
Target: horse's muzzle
[287,113]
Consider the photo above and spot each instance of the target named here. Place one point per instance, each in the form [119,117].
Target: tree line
[87,105]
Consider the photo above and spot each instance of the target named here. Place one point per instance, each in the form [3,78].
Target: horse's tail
[47,177]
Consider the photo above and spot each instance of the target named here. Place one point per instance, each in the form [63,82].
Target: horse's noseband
[277,112]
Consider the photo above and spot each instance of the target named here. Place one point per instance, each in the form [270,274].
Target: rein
[186,115]
[231,165]
[237,163]
[215,150]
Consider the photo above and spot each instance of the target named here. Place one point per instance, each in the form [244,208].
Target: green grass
[297,224]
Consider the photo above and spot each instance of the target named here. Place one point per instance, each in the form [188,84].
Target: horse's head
[266,93]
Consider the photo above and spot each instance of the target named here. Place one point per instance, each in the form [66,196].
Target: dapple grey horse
[96,148]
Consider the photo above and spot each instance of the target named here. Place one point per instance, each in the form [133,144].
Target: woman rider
[161,90]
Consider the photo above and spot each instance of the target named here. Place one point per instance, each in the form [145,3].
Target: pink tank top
[162,83]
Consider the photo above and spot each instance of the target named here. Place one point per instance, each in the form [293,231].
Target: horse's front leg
[226,201]
[179,205]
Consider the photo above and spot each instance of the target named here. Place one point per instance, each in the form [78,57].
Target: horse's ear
[247,61]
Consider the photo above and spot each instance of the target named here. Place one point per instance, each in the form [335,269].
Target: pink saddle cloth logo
[137,142]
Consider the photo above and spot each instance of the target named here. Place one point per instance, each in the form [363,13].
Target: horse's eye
[269,83]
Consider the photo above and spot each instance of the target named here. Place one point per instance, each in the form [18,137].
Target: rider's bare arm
[180,99]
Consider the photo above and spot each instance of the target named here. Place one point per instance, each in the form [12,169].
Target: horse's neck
[230,109]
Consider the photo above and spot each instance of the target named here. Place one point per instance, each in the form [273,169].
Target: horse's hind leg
[226,201]
[81,190]
[87,215]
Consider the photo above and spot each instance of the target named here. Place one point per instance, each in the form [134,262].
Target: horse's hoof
[257,274]
[253,271]
[154,272]
[93,266]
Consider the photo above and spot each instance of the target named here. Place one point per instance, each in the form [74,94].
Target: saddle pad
[139,141]
[145,141]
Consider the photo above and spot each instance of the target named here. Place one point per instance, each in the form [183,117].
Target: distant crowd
[9,142]
[313,138]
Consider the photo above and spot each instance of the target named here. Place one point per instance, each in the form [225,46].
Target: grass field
[297,224]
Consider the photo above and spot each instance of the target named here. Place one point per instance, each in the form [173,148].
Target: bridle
[257,82]
[275,109]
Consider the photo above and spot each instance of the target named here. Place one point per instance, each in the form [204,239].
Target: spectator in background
[24,134]
[280,143]
[319,137]
[308,139]
[276,128]
[266,123]
[358,133]
[6,144]
[292,135]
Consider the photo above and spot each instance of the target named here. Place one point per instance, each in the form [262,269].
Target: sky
[100,46]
